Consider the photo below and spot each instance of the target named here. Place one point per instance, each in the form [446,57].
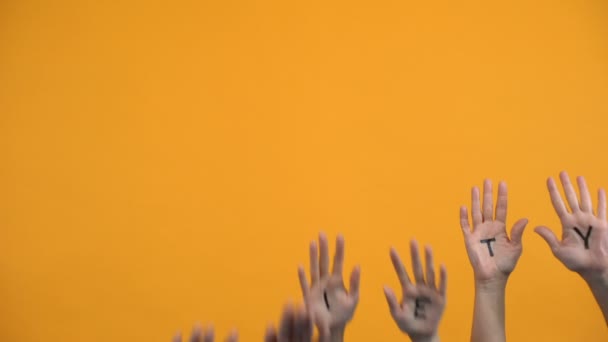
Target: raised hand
[584,244]
[493,256]
[295,326]
[491,252]
[206,335]
[422,304]
[331,306]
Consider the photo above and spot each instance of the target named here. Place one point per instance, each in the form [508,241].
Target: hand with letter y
[493,255]
[584,245]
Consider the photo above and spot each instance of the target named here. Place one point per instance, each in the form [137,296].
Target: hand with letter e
[423,302]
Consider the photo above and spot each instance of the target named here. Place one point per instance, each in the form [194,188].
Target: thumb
[518,231]
[391,299]
[548,235]
[355,282]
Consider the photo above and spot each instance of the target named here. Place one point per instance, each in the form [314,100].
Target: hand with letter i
[330,305]
[584,244]
[422,304]
[493,255]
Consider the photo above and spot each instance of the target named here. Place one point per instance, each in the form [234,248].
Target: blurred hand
[584,244]
[422,304]
[295,326]
[206,335]
[331,306]
[491,252]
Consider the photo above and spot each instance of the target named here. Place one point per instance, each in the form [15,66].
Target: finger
[430,268]
[601,204]
[271,334]
[296,334]
[476,207]
[324,255]
[549,237]
[569,191]
[488,206]
[404,279]
[518,231]
[464,221]
[307,327]
[556,198]
[308,331]
[501,203]
[443,280]
[232,337]
[209,335]
[355,282]
[391,300]
[303,323]
[196,334]
[416,263]
[339,256]
[314,263]
[586,204]
[286,324]
[303,282]
[177,337]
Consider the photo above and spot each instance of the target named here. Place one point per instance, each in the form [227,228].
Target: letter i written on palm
[491,252]
[330,305]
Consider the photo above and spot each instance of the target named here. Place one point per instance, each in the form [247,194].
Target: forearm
[599,287]
[489,313]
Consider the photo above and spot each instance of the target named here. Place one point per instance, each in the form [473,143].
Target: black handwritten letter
[419,309]
[584,237]
[489,243]
[326,301]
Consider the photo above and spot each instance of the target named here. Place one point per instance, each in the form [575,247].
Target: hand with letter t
[422,305]
[493,255]
[584,244]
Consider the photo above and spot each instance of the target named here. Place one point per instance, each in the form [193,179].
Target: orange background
[167,163]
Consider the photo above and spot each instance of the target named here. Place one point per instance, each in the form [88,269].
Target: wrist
[491,285]
[337,334]
[427,338]
[596,280]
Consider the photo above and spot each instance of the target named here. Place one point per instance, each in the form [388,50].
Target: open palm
[422,305]
[329,303]
[491,252]
[584,244]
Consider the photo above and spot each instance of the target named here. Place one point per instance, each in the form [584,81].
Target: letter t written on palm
[492,253]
